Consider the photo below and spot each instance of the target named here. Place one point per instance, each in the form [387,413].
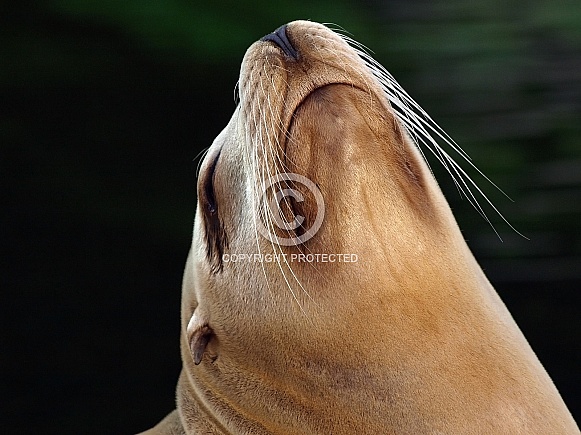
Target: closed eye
[215,237]
[237,93]
[207,194]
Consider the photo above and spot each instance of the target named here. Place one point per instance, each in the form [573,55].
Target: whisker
[424,131]
[201,155]
[276,159]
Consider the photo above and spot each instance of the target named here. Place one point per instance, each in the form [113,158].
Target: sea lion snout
[280,38]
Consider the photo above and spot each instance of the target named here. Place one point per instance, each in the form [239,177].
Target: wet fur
[411,339]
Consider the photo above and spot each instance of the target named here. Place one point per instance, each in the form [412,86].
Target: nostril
[280,38]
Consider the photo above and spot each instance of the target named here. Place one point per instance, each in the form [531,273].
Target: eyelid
[237,94]
[206,183]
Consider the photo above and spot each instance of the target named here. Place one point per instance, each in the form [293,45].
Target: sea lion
[379,322]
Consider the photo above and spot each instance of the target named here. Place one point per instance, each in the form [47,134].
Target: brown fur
[410,339]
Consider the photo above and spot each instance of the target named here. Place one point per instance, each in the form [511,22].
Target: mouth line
[289,126]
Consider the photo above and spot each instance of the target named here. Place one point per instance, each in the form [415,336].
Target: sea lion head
[311,107]
[328,288]
[312,123]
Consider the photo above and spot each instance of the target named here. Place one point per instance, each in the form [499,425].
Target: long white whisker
[424,131]
[201,155]
[266,210]
[276,158]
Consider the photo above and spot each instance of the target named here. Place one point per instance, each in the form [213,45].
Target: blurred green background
[105,104]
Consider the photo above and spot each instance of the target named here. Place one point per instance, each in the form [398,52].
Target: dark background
[104,106]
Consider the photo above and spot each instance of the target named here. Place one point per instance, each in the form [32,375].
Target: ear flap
[199,335]
[198,342]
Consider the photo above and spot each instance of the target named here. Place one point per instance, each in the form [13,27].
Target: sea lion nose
[280,38]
